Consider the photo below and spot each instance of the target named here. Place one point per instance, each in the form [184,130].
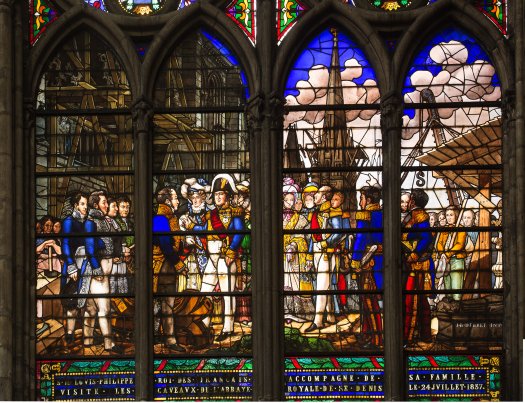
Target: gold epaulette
[363,215]
[420,216]
[336,212]
[237,212]
[355,264]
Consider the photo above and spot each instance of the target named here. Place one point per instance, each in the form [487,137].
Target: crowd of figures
[201,255]
[89,261]
[340,270]
[333,261]
[207,252]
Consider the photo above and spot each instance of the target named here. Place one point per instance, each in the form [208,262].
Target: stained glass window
[451,208]
[324,291]
[41,15]
[391,5]
[84,223]
[201,225]
[332,222]
[186,3]
[242,12]
[141,7]
[288,12]
[495,10]
[96,4]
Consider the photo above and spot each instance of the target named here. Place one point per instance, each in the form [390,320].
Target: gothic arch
[205,16]
[457,14]
[74,20]
[348,20]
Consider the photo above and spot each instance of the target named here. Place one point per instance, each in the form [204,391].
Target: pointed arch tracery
[201,158]
[332,221]
[83,170]
[451,178]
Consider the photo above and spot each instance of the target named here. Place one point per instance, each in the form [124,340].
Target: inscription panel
[347,378]
[100,380]
[203,379]
[465,377]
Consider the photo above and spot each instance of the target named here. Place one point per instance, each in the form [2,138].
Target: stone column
[6,199]
[265,124]
[142,113]
[24,314]
[512,254]
[391,115]
[266,245]
[518,213]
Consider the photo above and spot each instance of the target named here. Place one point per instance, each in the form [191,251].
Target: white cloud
[314,91]
[457,82]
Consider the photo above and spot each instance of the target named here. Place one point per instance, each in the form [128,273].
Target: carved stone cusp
[142,115]
[276,107]
[508,109]
[29,113]
[255,112]
[391,113]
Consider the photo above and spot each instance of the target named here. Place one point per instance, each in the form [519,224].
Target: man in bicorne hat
[223,249]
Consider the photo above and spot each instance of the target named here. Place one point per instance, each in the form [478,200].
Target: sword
[368,256]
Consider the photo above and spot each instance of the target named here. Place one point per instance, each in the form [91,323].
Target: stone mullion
[510,235]
[28,235]
[6,199]
[515,212]
[265,126]
[268,343]
[24,314]
[391,123]
[142,114]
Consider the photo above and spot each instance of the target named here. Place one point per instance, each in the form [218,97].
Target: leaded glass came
[332,214]
[201,224]
[452,206]
[84,252]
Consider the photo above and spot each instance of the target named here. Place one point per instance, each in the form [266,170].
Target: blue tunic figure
[74,262]
[367,265]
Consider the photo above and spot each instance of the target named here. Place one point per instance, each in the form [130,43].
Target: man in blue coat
[100,252]
[367,264]
[167,262]
[417,246]
[74,262]
[323,248]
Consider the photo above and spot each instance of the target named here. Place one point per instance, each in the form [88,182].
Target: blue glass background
[319,52]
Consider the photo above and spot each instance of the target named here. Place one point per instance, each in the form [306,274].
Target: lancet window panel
[451,219]
[202,264]
[84,253]
[287,15]
[332,224]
